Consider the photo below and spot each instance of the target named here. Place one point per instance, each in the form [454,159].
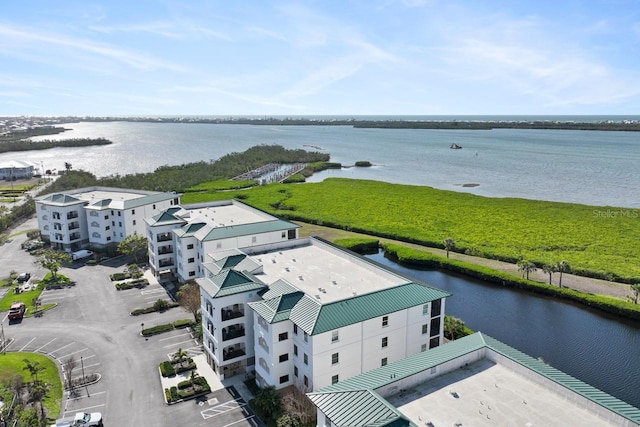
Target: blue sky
[319,57]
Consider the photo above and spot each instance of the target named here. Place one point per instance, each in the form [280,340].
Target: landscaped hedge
[153,308]
[119,276]
[360,245]
[157,329]
[184,384]
[138,283]
[173,393]
[166,369]
[182,323]
[423,259]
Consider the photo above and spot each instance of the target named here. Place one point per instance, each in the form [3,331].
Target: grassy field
[13,363]
[596,241]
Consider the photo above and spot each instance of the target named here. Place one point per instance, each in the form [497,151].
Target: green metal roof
[190,229]
[316,318]
[61,199]
[372,409]
[164,218]
[230,282]
[277,309]
[225,232]
[424,361]
[279,287]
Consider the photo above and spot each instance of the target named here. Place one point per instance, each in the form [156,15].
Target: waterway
[595,348]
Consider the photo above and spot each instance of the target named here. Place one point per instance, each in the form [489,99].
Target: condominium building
[473,381]
[97,217]
[307,313]
[180,237]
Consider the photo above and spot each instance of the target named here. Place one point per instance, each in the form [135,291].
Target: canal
[593,347]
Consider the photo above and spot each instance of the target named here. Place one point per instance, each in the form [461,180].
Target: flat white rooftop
[322,271]
[97,195]
[226,215]
[489,394]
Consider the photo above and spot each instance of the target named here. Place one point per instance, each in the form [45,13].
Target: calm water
[596,168]
[593,348]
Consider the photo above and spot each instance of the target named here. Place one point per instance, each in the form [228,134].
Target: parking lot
[92,323]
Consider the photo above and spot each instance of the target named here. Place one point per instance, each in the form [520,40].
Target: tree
[52,261]
[189,299]
[132,245]
[453,327]
[134,271]
[268,401]
[549,269]
[37,392]
[562,267]
[68,365]
[180,355]
[449,245]
[526,267]
[635,293]
[33,368]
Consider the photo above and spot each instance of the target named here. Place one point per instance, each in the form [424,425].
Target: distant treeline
[20,134]
[179,178]
[387,124]
[28,145]
[549,125]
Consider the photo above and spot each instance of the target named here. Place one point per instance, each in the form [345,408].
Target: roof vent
[334,282]
[293,259]
[324,291]
[320,289]
[300,277]
[317,296]
[273,260]
[286,269]
[354,294]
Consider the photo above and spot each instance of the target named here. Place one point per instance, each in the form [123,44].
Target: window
[284,379]
[295,371]
[435,326]
[425,328]
[113,223]
[425,309]
[283,336]
[119,223]
[435,307]
[133,211]
[385,342]
[192,273]
[190,246]
[334,379]
[306,359]
[107,228]
[284,234]
[306,337]
[335,337]
[295,350]
[108,238]
[385,321]
[112,213]
[154,206]
[434,342]
[134,222]
[335,358]
[423,347]
[305,381]
[284,357]
[218,245]
[106,217]
[383,362]
[295,329]
[191,260]
[119,213]
[254,239]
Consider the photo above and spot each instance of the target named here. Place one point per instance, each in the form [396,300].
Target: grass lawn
[596,241]
[25,297]
[13,364]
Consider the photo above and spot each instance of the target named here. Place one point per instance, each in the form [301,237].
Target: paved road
[91,321]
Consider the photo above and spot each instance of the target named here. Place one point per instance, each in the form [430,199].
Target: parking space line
[153,291]
[176,343]
[239,421]
[64,346]
[71,354]
[25,346]
[85,409]
[89,366]
[48,298]
[174,337]
[82,397]
[46,344]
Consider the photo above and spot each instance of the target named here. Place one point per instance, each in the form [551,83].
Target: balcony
[233,352]
[232,332]
[72,215]
[228,314]
[163,263]
[164,237]
[165,250]
[74,226]
[74,236]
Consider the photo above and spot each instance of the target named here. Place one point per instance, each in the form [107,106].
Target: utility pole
[2,339]
[84,379]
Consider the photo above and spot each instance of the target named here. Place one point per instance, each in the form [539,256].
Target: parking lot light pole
[2,339]
[84,379]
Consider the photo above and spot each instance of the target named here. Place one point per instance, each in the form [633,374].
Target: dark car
[23,277]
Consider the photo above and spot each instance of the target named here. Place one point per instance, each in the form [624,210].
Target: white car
[81,419]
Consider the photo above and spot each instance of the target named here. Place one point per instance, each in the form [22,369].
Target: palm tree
[37,392]
[268,400]
[562,267]
[449,244]
[180,355]
[526,267]
[549,269]
[453,327]
[33,368]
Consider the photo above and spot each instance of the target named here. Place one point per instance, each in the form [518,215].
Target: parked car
[23,277]
[16,312]
[81,419]
[83,253]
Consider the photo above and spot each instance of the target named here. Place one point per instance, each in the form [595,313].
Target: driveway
[91,322]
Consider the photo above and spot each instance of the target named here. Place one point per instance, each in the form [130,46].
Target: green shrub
[157,329]
[185,394]
[166,369]
[91,262]
[184,384]
[190,366]
[183,323]
[167,395]
[138,283]
[294,179]
[118,276]
[360,245]
[174,393]
[165,305]
[363,164]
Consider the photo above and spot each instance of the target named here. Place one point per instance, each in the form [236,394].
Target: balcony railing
[74,226]
[74,236]
[165,250]
[165,263]
[165,237]
[72,215]
[228,354]
[232,332]
[231,314]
